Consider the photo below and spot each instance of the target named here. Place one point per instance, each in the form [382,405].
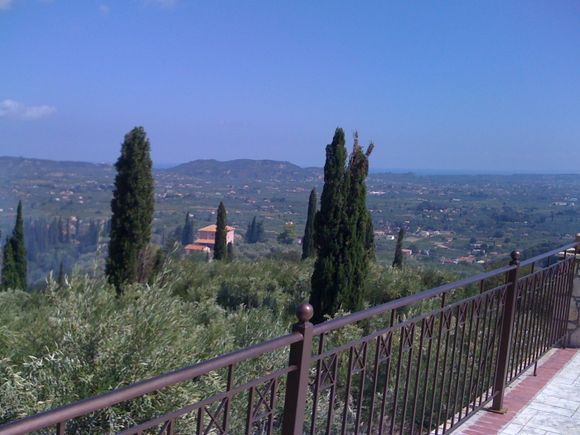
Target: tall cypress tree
[330,276]
[252,231]
[308,249]
[19,248]
[398,261]
[187,231]
[358,221]
[14,265]
[220,246]
[132,207]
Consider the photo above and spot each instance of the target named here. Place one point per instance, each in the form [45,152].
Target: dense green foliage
[398,260]
[330,273]
[220,246]
[14,262]
[342,226]
[132,207]
[71,342]
[358,221]
[288,234]
[308,247]
[187,231]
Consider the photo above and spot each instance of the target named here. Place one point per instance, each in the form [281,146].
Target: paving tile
[555,410]
[511,429]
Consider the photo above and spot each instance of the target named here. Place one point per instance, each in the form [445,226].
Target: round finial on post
[515,255]
[304,312]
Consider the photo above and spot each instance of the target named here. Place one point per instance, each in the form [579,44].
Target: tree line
[339,236]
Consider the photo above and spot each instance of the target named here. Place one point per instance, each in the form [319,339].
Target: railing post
[507,326]
[297,380]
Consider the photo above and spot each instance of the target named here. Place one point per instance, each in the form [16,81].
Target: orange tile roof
[213,228]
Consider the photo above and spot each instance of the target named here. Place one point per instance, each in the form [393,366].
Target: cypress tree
[308,239]
[398,261]
[252,231]
[230,250]
[187,231]
[220,246]
[19,248]
[330,276]
[14,265]
[356,229]
[132,208]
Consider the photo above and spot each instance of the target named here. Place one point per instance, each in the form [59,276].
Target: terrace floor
[548,403]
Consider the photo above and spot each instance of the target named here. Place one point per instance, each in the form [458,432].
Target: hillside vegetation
[67,343]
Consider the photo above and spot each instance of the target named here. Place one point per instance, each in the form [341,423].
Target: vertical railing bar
[449,389]
[60,428]
[317,385]
[505,338]
[543,323]
[330,417]
[272,405]
[521,310]
[426,378]
[412,327]
[417,373]
[444,370]
[347,391]
[387,374]
[397,379]
[563,293]
[514,344]
[497,337]
[461,342]
[199,420]
[437,354]
[531,319]
[489,351]
[230,380]
[469,341]
[361,387]
[490,300]
[553,296]
[537,317]
[375,383]
[557,296]
[477,353]
[250,414]
[524,334]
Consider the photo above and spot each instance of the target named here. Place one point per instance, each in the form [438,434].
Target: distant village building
[206,239]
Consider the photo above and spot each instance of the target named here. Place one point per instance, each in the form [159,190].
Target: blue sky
[436,85]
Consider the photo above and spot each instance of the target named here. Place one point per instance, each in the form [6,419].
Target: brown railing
[420,364]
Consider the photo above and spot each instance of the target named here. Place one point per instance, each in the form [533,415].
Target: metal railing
[420,364]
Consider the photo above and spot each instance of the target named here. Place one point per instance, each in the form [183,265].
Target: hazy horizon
[452,87]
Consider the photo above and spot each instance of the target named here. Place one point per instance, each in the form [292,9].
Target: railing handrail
[86,406]
[339,322]
[549,254]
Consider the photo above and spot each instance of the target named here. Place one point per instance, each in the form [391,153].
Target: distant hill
[245,169]
[25,168]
